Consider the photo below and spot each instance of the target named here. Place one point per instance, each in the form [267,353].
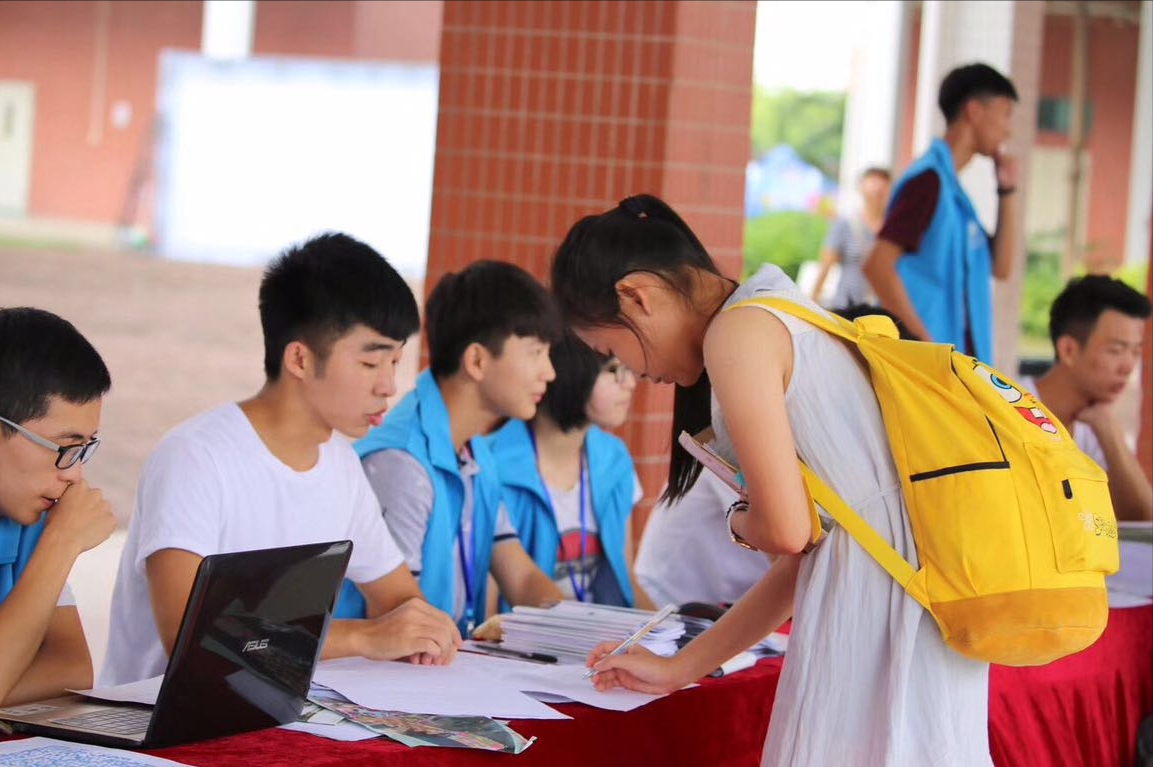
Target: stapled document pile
[570,630]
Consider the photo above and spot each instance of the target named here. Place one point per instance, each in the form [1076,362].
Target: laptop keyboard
[119,721]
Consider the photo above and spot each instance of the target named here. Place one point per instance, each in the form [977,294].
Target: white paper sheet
[559,680]
[346,731]
[49,752]
[461,689]
[144,691]
[1135,579]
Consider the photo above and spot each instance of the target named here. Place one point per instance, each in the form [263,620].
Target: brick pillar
[554,109]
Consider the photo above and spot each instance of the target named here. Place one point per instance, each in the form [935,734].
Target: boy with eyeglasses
[570,484]
[51,384]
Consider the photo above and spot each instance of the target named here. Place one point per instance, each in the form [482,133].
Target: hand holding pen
[630,665]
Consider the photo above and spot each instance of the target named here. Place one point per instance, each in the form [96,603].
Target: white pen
[665,612]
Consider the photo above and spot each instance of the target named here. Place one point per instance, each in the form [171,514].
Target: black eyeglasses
[66,455]
[619,370]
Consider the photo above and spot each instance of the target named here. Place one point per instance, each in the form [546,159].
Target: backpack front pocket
[1075,491]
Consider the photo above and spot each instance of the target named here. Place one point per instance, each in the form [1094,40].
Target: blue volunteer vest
[949,278]
[611,487]
[17,542]
[419,426]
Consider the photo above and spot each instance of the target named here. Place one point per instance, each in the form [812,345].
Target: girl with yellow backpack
[874,676]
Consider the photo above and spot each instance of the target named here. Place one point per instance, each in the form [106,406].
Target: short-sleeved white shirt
[571,567]
[211,486]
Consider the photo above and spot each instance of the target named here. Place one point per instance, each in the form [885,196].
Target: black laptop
[243,659]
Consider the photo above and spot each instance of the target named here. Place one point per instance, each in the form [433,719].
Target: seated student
[686,554]
[570,486]
[1097,325]
[51,385]
[489,328]
[271,471]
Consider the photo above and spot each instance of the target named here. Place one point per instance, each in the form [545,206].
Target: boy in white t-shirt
[51,385]
[277,470]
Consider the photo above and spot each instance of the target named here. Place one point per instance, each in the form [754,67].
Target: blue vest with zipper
[949,278]
[611,488]
[419,425]
[17,542]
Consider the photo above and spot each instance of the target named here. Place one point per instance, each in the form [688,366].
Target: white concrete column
[936,47]
[1025,71]
[872,109]
[1007,36]
[228,28]
[1141,166]
[955,33]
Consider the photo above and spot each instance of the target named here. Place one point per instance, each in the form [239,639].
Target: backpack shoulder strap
[821,493]
[864,534]
[835,325]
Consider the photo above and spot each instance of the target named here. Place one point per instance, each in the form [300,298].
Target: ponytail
[641,234]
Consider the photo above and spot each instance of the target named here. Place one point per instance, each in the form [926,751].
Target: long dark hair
[642,234]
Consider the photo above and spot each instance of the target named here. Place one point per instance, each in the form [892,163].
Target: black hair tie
[633,206]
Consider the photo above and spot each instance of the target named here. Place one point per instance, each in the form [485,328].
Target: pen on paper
[657,619]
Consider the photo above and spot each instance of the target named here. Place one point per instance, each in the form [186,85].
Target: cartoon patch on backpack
[1013,395]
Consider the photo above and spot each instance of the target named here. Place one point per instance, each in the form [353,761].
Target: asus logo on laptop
[255,644]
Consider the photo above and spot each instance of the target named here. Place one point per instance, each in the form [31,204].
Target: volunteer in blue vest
[933,262]
[489,328]
[52,383]
[570,486]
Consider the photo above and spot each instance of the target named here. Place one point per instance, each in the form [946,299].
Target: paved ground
[178,338]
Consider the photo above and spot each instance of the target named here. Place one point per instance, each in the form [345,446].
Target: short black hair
[853,311]
[44,356]
[877,170]
[577,367]
[317,291]
[972,81]
[1077,307]
[485,303]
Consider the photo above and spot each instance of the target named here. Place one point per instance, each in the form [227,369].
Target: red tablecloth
[721,723]
[1080,711]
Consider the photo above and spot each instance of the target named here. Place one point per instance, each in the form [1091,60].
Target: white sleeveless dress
[867,679]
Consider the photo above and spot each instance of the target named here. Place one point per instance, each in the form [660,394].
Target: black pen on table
[492,649]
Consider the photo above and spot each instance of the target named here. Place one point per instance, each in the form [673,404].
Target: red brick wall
[396,30]
[303,28]
[54,45]
[905,145]
[551,110]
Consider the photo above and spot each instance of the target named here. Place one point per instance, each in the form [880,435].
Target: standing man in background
[932,262]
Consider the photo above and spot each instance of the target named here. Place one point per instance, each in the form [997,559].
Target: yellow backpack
[1013,524]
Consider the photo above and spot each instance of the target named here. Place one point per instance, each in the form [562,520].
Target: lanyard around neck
[466,562]
[580,590]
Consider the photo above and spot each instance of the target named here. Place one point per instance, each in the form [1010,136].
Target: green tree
[786,238]
[810,122]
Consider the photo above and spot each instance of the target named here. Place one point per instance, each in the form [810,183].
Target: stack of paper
[1132,585]
[570,630]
